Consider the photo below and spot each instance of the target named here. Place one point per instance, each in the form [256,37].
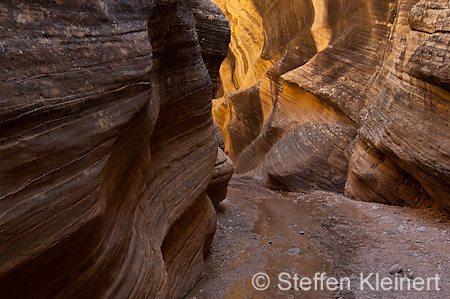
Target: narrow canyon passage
[261,230]
[345,104]
[122,123]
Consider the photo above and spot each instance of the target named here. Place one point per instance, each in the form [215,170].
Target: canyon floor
[261,230]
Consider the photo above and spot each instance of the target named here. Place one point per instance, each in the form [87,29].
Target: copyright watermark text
[372,281]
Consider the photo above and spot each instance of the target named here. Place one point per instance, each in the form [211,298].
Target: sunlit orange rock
[377,70]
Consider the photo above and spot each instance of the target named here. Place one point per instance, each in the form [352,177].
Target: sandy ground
[260,230]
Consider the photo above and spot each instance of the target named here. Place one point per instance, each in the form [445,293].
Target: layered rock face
[107,147]
[213,32]
[217,188]
[350,96]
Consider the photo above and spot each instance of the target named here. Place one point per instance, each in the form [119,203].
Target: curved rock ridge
[245,63]
[107,147]
[223,171]
[354,97]
[214,35]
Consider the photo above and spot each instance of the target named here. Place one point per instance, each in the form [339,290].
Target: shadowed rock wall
[107,146]
[349,96]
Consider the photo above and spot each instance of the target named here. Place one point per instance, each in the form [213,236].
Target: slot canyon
[225,149]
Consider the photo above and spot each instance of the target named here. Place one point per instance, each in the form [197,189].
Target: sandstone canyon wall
[349,96]
[107,146]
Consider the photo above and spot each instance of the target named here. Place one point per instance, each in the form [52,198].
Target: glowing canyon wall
[349,96]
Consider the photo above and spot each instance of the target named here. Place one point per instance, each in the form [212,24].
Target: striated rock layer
[107,147]
[350,96]
[213,32]
[217,188]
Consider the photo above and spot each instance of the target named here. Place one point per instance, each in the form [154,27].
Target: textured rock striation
[107,147]
[223,170]
[213,32]
[346,96]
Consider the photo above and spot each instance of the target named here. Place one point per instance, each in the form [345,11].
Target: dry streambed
[261,230]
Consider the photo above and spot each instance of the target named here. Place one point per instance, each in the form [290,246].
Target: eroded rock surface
[107,146]
[378,67]
[217,188]
[312,158]
[213,32]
